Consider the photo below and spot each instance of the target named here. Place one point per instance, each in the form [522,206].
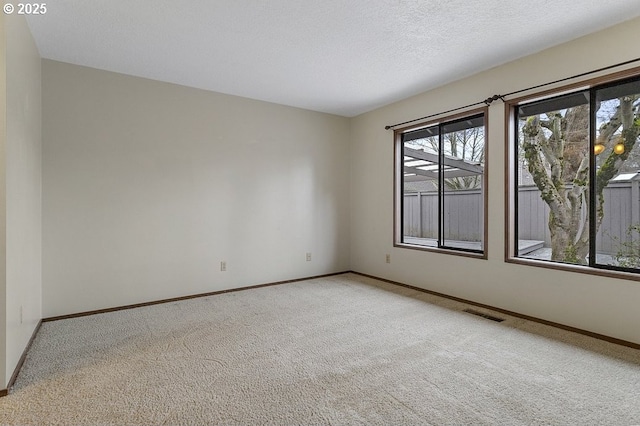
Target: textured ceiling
[340,56]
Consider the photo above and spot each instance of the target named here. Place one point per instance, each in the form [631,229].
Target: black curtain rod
[489,100]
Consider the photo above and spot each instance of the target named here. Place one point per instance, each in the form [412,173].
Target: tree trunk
[556,150]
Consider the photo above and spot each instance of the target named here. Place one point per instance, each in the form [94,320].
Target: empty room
[338,212]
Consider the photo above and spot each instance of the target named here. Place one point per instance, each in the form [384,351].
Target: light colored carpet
[339,350]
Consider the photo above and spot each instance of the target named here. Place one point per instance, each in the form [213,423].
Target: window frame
[511,223]
[398,171]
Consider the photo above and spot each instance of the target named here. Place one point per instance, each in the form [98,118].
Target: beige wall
[601,305]
[148,186]
[22,199]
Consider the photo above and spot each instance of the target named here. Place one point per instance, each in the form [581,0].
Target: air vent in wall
[480,314]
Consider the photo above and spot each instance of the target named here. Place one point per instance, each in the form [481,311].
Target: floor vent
[480,314]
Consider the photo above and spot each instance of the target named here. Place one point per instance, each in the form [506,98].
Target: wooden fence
[463,215]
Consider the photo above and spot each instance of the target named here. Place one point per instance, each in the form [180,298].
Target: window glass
[552,179]
[420,187]
[617,204]
[442,179]
[577,174]
[462,194]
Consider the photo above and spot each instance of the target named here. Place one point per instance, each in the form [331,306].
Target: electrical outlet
[388,258]
[308,257]
[223,266]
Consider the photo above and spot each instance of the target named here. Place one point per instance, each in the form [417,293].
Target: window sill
[581,269]
[448,251]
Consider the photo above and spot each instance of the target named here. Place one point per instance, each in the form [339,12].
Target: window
[576,177]
[440,185]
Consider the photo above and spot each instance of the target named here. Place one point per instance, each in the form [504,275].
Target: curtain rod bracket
[488,101]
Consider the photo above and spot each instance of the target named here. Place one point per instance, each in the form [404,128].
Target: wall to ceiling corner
[21,173]
[149,186]
[602,305]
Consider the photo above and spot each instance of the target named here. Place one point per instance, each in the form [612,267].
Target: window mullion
[592,178]
[440,186]
[516,171]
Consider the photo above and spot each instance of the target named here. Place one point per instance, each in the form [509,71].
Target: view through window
[441,183]
[577,177]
